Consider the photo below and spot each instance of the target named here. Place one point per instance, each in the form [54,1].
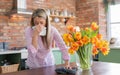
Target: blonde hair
[43,14]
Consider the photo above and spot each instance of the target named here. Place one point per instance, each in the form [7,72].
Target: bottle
[2,63]
[6,62]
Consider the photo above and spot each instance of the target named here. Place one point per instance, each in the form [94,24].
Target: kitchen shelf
[66,18]
[73,17]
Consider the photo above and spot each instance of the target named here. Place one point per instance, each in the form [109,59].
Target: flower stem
[85,54]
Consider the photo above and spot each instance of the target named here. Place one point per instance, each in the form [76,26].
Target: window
[114,20]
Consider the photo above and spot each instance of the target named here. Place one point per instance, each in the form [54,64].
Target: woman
[39,38]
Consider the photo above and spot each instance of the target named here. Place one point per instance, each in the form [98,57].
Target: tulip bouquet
[86,42]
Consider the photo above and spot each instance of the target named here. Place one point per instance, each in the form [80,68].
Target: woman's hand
[36,30]
[67,64]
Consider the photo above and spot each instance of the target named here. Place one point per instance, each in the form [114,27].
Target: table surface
[98,68]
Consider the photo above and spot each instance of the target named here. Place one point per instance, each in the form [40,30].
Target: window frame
[109,30]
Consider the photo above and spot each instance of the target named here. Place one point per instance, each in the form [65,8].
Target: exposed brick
[89,11]
[13,29]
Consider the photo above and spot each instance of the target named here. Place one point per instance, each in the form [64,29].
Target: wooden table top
[98,68]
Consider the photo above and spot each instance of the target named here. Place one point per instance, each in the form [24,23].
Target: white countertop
[17,51]
[10,51]
[115,46]
[24,52]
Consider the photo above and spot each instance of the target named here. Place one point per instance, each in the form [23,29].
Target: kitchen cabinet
[73,58]
[113,56]
[9,60]
[11,56]
[58,57]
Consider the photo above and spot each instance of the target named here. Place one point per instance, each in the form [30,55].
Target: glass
[77,61]
[84,57]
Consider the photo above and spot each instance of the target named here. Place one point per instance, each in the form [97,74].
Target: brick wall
[102,19]
[88,11]
[12,28]
[5,5]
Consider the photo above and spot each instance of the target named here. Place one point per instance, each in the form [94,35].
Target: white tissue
[43,32]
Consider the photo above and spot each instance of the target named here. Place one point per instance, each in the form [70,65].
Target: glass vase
[85,56]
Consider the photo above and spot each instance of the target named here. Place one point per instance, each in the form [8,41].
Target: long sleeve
[28,36]
[60,43]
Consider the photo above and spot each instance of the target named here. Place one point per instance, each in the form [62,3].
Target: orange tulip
[94,40]
[71,51]
[86,29]
[65,37]
[70,28]
[88,36]
[105,51]
[75,46]
[80,43]
[70,38]
[85,40]
[77,35]
[95,51]
[94,26]
[99,36]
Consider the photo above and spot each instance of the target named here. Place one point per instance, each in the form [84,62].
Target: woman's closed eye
[40,23]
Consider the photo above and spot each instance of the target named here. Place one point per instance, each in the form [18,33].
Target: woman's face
[40,21]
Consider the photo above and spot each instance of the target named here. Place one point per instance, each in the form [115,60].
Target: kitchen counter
[9,52]
[114,47]
[17,51]
[98,68]
[24,52]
